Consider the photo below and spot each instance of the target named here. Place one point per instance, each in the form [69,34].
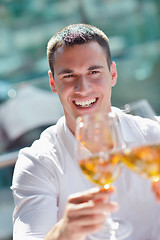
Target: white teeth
[85,103]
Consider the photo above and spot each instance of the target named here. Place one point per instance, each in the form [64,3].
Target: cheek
[61,87]
[65,90]
[104,84]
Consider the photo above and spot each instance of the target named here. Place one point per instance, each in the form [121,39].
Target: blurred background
[27,105]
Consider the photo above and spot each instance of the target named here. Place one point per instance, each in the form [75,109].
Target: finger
[87,229]
[156,187]
[156,190]
[90,208]
[94,228]
[91,219]
[93,193]
[85,224]
[88,224]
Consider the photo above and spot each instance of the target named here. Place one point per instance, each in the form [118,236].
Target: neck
[71,123]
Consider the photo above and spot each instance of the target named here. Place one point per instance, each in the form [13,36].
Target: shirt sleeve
[35,194]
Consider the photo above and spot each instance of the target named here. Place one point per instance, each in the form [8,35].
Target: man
[50,192]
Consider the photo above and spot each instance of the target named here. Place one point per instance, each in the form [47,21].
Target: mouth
[85,104]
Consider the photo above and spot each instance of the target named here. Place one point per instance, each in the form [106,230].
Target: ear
[113,71]
[52,82]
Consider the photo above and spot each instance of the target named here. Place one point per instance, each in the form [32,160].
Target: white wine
[145,160]
[102,170]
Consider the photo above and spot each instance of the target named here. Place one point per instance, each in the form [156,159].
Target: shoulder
[49,138]
[41,156]
[135,127]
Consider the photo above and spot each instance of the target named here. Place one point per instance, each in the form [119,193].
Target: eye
[68,76]
[94,72]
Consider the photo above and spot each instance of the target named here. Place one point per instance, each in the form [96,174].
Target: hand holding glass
[99,151]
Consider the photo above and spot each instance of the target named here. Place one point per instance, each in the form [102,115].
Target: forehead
[79,52]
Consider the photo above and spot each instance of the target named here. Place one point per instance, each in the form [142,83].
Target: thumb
[91,194]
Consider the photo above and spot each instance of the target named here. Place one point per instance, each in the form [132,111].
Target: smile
[85,104]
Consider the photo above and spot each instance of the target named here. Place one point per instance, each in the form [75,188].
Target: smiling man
[53,200]
[83,79]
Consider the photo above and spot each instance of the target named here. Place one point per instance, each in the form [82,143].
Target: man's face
[82,80]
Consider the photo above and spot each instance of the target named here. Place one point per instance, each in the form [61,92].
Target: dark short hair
[77,34]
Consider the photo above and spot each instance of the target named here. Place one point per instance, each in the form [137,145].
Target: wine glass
[143,156]
[99,151]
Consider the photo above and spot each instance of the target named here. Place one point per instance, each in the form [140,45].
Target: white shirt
[47,173]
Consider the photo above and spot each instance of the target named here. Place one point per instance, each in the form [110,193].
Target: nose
[83,85]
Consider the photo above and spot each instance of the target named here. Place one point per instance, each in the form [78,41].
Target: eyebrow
[64,71]
[67,70]
[95,67]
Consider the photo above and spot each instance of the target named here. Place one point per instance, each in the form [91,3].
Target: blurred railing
[8,159]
